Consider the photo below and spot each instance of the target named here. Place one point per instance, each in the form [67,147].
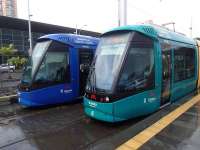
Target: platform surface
[178,129]
[182,134]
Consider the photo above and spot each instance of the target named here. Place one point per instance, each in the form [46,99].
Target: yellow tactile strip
[137,141]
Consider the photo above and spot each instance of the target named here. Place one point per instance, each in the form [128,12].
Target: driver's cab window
[138,72]
[55,67]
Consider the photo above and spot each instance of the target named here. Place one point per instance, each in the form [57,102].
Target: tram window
[55,67]
[179,65]
[138,72]
[184,63]
[190,63]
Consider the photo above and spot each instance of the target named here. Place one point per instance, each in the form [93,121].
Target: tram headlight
[107,99]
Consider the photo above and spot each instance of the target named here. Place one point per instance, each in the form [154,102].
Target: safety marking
[3,98]
[141,138]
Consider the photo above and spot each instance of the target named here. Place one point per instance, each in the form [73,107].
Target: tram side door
[166,77]
[85,60]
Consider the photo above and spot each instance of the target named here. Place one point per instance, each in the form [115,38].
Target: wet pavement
[66,127]
[182,134]
[61,127]
[9,82]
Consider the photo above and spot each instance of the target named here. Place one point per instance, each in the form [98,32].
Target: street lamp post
[82,28]
[76,30]
[29,27]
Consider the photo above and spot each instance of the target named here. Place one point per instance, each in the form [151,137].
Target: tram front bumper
[100,111]
[30,99]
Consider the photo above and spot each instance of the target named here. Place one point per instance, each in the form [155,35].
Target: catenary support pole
[122,12]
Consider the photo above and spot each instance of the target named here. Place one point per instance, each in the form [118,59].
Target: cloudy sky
[101,15]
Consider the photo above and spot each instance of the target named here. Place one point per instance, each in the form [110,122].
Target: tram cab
[137,70]
[57,70]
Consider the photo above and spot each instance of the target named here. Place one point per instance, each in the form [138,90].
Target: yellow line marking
[3,98]
[141,138]
[130,144]
[126,148]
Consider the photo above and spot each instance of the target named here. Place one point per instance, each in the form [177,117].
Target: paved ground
[182,134]
[9,82]
[62,127]
[66,127]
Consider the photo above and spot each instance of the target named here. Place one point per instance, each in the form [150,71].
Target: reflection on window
[38,52]
[54,67]
[184,64]
[138,71]
[109,55]
[108,62]
[37,55]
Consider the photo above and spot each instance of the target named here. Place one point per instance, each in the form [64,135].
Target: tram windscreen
[53,68]
[107,61]
[48,65]
[138,73]
[38,52]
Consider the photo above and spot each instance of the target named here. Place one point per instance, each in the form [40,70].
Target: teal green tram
[139,69]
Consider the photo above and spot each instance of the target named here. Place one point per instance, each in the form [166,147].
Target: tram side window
[138,72]
[190,63]
[184,63]
[55,65]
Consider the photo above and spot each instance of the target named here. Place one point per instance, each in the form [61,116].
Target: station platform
[176,126]
[181,134]
[177,130]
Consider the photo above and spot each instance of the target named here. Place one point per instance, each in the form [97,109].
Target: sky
[102,15]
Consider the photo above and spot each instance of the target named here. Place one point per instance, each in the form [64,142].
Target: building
[1,8]
[15,31]
[8,8]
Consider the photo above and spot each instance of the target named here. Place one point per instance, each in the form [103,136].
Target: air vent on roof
[148,30]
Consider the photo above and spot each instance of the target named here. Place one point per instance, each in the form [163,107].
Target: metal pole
[119,13]
[169,23]
[82,28]
[76,30]
[191,27]
[122,12]
[174,26]
[29,27]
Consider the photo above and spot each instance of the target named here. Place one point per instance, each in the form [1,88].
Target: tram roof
[72,39]
[156,31]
